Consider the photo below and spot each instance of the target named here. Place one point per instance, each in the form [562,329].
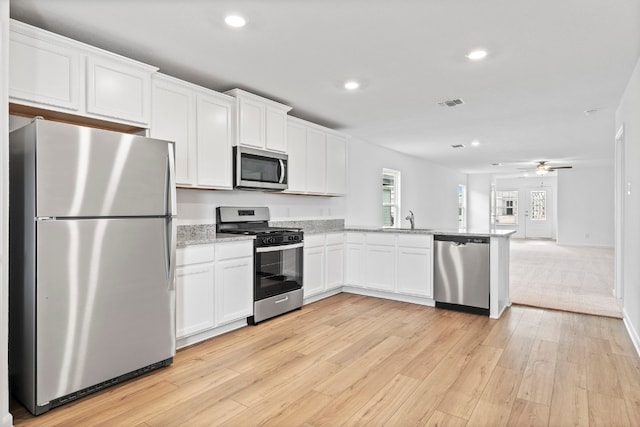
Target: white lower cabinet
[214,289]
[234,281]
[398,264]
[323,263]
[415,265]
[334,252]
[195,274]
[380,261]
[354,260]
[313,265]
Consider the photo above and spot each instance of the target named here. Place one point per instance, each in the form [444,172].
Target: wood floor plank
[570,404]
[608,411]
[537,380]
[527,413]
[466,391]
[441,419]
[496,402]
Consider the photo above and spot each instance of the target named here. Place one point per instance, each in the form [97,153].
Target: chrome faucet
[411,219]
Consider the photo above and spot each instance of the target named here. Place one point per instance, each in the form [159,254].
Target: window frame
[396,203]
[507,196]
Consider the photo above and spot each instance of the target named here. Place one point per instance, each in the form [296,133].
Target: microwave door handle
[283,171]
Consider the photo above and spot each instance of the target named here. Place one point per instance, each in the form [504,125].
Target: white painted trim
[633,334]
[210,333]
[322,295]
[390,296]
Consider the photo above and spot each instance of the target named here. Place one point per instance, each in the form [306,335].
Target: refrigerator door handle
[170,251]
[171,182]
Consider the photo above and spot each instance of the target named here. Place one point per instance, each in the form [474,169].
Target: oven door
[278,270]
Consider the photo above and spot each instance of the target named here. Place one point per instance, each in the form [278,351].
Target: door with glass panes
[538,213]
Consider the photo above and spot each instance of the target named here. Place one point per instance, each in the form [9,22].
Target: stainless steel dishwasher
[461,273]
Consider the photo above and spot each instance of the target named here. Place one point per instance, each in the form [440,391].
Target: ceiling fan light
[541,171]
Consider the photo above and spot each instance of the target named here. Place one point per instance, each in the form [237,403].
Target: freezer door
[85,172]
[105,301]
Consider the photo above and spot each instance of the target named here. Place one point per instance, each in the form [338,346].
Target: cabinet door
[354,264]
[172,118]
[44,72]
[380,267]
[313,280]
[251,123]
[234,289]
[414,271]
[194,299]
[117,89]
[316,162]
[335,266]
[276,129]
[297,146]
[336,165]
[214,142]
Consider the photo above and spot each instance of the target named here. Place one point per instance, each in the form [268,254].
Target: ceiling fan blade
[560,167]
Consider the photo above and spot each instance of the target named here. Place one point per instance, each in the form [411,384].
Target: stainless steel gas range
[278,259]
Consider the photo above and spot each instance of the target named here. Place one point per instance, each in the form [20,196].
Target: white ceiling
[548,62]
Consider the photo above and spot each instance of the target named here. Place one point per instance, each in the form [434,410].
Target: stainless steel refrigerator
[92,255]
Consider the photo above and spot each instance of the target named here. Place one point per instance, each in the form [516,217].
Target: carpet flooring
[577,279]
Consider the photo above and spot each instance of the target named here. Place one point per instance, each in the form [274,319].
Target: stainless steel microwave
[255,169]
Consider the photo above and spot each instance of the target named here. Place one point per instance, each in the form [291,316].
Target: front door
[538,213]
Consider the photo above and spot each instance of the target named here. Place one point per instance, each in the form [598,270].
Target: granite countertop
[451,232]
[203,234]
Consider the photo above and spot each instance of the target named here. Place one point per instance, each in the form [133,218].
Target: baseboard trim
[633,334]
[7,420]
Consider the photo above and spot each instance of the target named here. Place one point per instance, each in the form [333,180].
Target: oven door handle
[279,248]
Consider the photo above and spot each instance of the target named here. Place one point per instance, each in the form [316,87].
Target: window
[390,198]
[507,207]
[538,205]
[462,206]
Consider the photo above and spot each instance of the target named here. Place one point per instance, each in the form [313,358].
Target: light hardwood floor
[354,360]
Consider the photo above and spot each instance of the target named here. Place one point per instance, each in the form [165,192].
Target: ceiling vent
[457,146]
[451,102]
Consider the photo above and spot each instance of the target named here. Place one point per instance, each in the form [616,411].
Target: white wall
[429,190]
[586,206]
[628,114]
[479,201]
[5,416]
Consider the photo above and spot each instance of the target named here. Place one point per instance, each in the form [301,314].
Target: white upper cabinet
[56,73]
[44,69]
[336,165]
[261,123]
[118,88]
[172,118]
[297,151]
[199,121]
[317,159]
[316,162]
[214,130]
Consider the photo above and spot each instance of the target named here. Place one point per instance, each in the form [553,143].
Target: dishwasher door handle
[459,244]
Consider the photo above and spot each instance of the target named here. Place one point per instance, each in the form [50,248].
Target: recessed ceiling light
[496,164]
[235,21]
[475,143]
[477,54]
[351,85]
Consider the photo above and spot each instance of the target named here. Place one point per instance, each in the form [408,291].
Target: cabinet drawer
[335,238]
[230,250]
[383,239]
[194,254]
[415,240]
[313,240]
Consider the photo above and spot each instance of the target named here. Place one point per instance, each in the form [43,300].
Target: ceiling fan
[542,168]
